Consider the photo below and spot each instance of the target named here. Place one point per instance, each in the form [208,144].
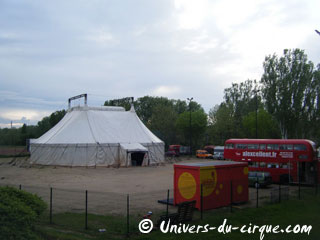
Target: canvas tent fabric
[126,151]
[97,136]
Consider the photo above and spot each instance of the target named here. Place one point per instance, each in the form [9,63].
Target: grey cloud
[52,50]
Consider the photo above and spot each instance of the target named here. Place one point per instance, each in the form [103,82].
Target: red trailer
[221,181]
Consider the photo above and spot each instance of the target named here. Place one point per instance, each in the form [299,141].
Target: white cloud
[23,114]
[101,36]
[166,91]
[191,14]
[8,125]
[201,44]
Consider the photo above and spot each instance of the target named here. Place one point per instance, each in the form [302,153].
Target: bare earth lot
[117,180]
[107,187]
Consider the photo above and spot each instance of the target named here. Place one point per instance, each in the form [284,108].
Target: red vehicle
[179,150]
[284,159]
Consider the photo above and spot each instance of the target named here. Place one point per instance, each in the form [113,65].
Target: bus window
[229,146]
[285,147]
[253,164]
[241,146]
[273,147]
[300,147]
[263,164]
[253,146]
[273,165]
[262,146]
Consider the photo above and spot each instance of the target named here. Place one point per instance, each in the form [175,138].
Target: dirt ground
[108,188]
[118,180]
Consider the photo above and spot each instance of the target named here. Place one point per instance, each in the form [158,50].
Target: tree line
[284,103]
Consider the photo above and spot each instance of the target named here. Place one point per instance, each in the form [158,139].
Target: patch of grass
[70,226]
[293,212]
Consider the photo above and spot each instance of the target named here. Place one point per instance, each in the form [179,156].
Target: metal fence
[128,209]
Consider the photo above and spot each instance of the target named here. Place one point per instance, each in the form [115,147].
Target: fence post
[279,192]
[51,205]
[201,201]
[231,198]
[86,220]
[128,215]
[257,190]
[299,187]
[168,202]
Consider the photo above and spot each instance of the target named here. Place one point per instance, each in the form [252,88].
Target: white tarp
[133,147]
[96,136]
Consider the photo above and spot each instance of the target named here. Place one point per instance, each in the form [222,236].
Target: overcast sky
[53,50]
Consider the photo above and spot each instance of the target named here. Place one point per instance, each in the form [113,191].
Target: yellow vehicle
[203,154]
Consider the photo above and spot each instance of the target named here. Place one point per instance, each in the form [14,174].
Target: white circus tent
[98,136]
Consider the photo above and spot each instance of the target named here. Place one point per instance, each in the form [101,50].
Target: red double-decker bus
[284,159]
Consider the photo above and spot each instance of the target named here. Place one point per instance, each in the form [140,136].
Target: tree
[221,124]
[162,123]
[144,106]
[267,126]
[48,122]
[198,126]
[123,102]
[315,122]
[240,99]
[288,87]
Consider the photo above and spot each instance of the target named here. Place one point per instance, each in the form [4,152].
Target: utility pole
[190,129]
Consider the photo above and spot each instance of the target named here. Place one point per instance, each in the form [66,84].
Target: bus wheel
[256,185]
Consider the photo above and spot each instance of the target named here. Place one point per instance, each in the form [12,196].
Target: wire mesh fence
[120,213]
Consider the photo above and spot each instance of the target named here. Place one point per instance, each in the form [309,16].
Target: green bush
[19,211]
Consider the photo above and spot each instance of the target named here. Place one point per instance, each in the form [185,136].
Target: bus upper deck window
[229,146]
[273,147]
[253,146]
[262,146]
[285,147]
[300,147]
[241,146]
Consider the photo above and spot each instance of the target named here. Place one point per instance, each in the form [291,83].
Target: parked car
[259,179]
[218,155]
[203,154]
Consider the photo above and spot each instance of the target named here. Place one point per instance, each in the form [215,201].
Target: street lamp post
[256,91]
[190,129]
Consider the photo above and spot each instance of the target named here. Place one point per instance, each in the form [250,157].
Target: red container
[221,181]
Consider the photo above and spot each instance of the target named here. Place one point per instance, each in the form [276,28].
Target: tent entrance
[137,158]
[133,154]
